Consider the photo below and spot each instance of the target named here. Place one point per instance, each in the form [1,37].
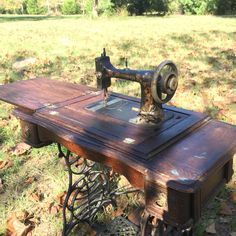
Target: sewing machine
[157,86]
[179,158]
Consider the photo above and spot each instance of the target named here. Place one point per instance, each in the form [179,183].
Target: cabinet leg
[150,226]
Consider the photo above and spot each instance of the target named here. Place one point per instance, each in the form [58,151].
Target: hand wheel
[165,82]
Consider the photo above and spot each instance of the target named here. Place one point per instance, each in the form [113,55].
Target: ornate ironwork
[92,186]
[120,226]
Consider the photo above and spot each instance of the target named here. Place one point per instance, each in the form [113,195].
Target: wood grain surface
[158,152]
[41,92]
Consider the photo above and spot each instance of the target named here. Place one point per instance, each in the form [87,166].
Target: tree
[137,7]
[32,7]
[95,8]
[69,7]
[159,6]
[12,6]
[51,6]
[118,3]
[198,7]
[225,7]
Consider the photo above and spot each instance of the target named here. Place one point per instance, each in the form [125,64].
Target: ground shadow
[14,18]
[226,16]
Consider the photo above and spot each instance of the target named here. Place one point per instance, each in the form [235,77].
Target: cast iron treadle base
[120,226]
[92,187]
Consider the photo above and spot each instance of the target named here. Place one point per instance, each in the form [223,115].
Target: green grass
[203,47]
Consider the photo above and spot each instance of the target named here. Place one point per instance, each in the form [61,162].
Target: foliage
[226,7]
[33,8]
[88,7]
[159,6]
[2,10]
[105,7]
[118,3]
[51,6]
[70,7]
[108,7]
[11,6]
[139,7]
[197,7]
[201,7]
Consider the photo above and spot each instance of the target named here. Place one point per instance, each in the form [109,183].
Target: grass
[203,47]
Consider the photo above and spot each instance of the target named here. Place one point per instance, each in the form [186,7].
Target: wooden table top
[184,149]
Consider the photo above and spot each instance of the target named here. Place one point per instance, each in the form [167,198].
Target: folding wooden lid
[41,92]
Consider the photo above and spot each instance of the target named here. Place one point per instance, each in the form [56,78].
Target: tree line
[110,7]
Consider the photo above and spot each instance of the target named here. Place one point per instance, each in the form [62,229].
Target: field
[64,48]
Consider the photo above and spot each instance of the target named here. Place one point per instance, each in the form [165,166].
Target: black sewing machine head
[157,86]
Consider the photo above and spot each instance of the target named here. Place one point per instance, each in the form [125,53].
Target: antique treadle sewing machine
[178,158]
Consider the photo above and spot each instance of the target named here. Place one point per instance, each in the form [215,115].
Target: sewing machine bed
[186,157]
[82,111]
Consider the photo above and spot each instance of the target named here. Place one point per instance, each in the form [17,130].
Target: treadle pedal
[120,226]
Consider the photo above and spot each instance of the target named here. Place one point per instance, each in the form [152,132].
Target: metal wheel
[165,82]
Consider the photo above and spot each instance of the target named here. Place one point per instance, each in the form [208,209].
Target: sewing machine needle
[105,96]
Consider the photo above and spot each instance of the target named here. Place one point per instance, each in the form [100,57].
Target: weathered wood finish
[178,177]
[111,132]
[38,93]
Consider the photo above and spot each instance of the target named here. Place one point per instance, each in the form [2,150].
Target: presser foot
[151,226]
[92,186]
